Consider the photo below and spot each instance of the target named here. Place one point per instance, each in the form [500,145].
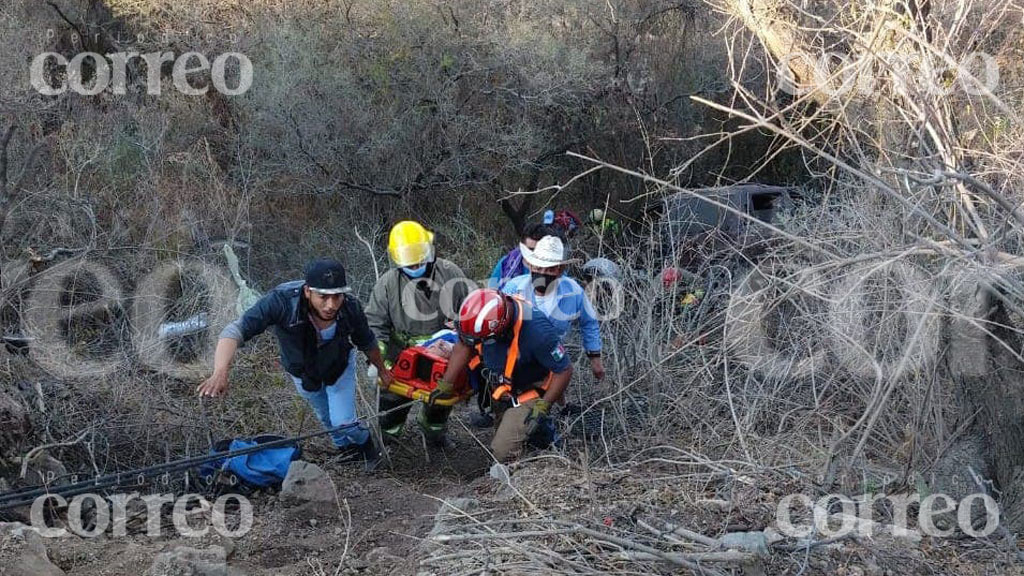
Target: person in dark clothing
[523,360]
[318,324]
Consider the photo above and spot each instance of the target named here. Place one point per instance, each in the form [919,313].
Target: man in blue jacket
[318,324]
[558,296]
[511,265]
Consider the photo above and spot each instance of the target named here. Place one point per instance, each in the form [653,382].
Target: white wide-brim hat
[550,252]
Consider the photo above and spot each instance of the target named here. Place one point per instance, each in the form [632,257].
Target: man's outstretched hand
[386,377]
[214,386]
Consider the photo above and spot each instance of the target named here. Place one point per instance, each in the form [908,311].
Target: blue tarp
[264,468]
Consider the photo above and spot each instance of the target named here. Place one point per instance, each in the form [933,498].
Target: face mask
[416,272]
[541,282]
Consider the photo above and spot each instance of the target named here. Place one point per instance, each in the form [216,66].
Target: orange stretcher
[416,372]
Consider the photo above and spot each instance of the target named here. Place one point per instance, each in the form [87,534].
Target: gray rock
[754,542]
[307,482]
[184,561]
[23,552]
[772,536]
[448,513]
[45,469]
[500,473]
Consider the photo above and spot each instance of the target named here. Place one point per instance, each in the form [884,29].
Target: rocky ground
[346,520]
[433,511]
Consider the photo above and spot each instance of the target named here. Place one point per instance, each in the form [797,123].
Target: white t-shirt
[546,303]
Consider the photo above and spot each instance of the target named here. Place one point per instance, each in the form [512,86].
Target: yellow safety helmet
[410,244]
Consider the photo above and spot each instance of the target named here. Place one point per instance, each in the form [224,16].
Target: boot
[434,428]
[481,420]
[370,453]
[392,435]
[439,440]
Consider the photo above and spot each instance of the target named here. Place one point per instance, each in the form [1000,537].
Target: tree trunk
[765,18]
[999,403]
[517,214]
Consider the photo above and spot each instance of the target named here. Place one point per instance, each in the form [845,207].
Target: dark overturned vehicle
[706,242]
[710,239]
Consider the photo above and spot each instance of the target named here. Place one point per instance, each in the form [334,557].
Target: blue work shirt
[329,332]
[569,303]
[540,352]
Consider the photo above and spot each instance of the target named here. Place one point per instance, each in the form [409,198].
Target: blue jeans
[335,406]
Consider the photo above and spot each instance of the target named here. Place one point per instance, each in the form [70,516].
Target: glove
[538,411]
[443,391]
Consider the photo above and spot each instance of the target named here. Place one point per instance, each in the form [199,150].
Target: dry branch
[4,158]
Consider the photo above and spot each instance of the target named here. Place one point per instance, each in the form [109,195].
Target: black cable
[113,480]
[28,501]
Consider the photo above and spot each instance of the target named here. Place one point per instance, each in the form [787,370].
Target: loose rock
[45,469]
[755,542]
[23,553]
[307,482]
[185,561]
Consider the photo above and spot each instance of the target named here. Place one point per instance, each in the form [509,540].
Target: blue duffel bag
[261,469]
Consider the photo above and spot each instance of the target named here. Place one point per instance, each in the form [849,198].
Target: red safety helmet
[484,313]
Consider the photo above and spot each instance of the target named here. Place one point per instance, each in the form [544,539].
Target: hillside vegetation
[872,345]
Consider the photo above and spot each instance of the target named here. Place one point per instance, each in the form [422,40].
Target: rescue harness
[504,391]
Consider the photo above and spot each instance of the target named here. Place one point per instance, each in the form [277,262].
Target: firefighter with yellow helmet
[409,304]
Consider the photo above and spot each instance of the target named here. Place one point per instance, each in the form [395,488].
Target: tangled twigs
[867,177]
[8,189]
[37,258]
[4,144]
[629,548]
[680,531]
[28,458]
[690,561]
[6,186]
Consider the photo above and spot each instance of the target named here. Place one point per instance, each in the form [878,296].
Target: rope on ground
[24,497]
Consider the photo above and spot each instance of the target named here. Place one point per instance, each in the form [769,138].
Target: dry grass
[825,370]
[834,370]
